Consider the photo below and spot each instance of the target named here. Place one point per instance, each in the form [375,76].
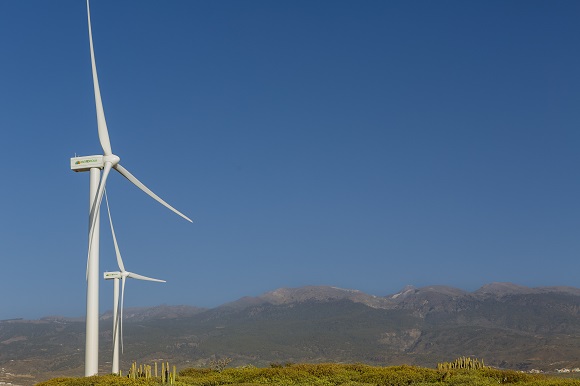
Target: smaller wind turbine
[122,274]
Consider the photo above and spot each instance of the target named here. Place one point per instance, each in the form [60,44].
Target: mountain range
[507,325]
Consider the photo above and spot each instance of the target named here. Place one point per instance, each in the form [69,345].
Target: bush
[105,380]
[329,375]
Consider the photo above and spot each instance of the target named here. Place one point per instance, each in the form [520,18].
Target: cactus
[461,363]
[146,371]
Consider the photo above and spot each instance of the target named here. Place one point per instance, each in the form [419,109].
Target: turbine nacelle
[84,164]
[112,275]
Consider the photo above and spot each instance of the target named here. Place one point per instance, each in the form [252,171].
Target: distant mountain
[506,289]
[309,293]
[507,325]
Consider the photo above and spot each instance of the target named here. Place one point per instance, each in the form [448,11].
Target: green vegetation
[328,375]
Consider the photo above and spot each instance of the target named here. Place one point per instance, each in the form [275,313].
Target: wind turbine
[122,274]
[94,164]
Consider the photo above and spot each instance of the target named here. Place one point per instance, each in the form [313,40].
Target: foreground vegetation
[328,375]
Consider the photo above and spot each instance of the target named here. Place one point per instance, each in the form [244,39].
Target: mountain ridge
[286,295]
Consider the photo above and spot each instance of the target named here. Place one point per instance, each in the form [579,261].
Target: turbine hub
[112,159]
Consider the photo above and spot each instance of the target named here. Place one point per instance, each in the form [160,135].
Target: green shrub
[194,372]
[328,374]
[105,380]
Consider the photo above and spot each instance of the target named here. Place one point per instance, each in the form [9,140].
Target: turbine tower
[122,274]
[94,164]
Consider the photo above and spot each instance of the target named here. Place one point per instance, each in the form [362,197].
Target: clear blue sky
[365,145]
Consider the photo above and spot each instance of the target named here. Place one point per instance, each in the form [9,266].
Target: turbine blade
[141,277]
[95,209]
[117,251]
[101,122]
[122,306]
[125,173]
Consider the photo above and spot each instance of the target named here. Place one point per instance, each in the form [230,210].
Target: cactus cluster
[146,371]
[462,363]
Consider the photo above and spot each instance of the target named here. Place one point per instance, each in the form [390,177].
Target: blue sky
[365,145]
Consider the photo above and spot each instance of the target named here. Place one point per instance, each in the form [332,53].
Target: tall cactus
[147,372]
[461,363]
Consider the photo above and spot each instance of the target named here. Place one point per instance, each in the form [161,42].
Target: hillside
[509,326]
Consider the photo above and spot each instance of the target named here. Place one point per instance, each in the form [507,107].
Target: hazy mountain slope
[310,293]
[507,325]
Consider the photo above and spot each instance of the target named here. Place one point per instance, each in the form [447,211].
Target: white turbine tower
[94,164]
[122,274]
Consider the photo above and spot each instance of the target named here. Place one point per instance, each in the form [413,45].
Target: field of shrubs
[326,375]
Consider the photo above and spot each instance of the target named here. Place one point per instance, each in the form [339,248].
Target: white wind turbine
[122,274]
[94,164]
